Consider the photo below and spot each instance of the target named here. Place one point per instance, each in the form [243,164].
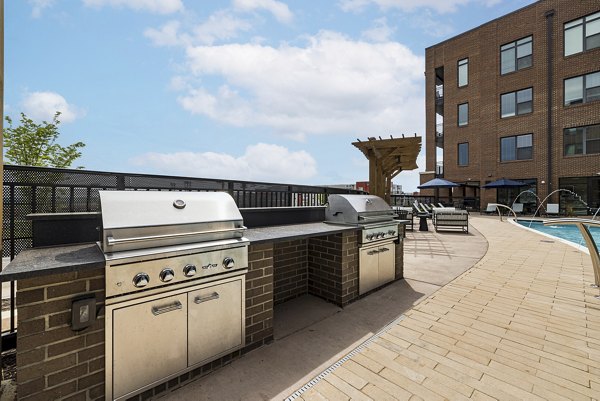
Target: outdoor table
[423,222]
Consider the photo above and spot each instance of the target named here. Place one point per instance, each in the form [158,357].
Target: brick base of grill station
[55,362]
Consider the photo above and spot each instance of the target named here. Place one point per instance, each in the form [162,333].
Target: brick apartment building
[519,98]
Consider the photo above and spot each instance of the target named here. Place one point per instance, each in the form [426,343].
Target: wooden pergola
[387,158]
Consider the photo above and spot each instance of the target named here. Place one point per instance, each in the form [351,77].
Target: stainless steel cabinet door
[387,263]
[368,274]
[149,342]
[215,321]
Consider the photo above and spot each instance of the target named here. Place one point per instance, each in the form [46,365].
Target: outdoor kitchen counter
[38,262]
[289,232]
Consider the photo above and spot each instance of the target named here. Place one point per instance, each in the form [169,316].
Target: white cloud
[279,9]
[381,31]
[333,85]
[43,105]
[153,6]
[166,35]
[260,162]
[219,26]
[439,6]
[38,6]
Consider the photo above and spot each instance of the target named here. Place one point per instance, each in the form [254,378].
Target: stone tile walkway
[521,324]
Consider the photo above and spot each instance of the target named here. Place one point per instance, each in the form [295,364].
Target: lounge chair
[440,204]
[552,209]
[420,209]
[517,208]
[491,208]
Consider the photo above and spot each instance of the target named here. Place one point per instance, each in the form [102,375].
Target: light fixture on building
[543,182]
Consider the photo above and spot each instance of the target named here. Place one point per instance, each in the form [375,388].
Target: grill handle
[156,310]
[199,299]
[114,241]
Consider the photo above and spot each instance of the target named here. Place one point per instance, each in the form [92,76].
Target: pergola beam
[387,158]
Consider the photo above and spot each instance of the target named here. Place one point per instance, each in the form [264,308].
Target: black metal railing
[48,190]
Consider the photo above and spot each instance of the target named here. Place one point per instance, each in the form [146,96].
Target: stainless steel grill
[379,231]
[175,284]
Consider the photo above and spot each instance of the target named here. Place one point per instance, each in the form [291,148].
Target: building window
[519,147]
[516,55]
[582,89]
[582,140]
[463,154]
[463,72]
[582,34]
[516,103]
[463,114]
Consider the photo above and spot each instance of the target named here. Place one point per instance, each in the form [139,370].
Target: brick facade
[485,85]
[54,362]
[333,267]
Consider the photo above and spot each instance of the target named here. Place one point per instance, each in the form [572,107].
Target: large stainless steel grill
[175,284]
[379,231]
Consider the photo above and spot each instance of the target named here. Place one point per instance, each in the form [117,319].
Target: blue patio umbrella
[438,183]
[504,183]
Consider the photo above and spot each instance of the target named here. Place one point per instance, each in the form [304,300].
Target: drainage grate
[339,363]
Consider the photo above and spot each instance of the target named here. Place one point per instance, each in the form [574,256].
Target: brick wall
[333,267]
[291,270]
[259,296]
[400,259]
[54,362]
[486,127]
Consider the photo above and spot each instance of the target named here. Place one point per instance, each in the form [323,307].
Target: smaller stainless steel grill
[175,284]
[379,230]
[368,212]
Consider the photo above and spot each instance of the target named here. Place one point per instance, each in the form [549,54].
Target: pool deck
[499,313]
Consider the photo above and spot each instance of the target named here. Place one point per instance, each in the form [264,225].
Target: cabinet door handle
[373,252]
[384,249]
[157,310]
[199,299]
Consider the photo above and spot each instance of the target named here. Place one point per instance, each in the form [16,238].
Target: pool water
[569,233]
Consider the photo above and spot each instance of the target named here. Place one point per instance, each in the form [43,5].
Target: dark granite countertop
[37,262]
[261,235]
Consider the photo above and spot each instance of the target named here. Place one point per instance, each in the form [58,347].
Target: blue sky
[261,90]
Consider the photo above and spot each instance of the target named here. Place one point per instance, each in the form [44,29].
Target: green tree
[32,144]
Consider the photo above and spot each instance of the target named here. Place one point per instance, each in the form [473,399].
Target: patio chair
[517,208]
[405,213]
[552,209]
[440,204]
[491,208]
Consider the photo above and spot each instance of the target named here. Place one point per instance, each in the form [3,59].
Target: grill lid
[357,209]
[137,220]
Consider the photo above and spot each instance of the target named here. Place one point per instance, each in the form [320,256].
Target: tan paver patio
[521,324]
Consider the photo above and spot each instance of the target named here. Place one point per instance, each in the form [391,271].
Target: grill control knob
[166,275]
[370,236]
[391,232]
[228,263]
[141,280]
[189,270]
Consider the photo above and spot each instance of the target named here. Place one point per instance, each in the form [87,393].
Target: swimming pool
[569,232]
